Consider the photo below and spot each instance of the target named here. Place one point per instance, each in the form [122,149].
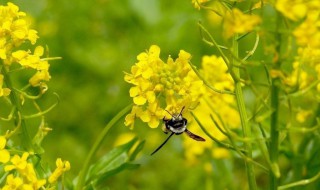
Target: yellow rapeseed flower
[197,3]
[220,153]
[18,163]
[14,31]
[27,60]
[23,169]
[4,154]
[13,183]
[160,86]
[215,72]
[302,115]
[62,166]
[297,9]
[31,177]
[236,22]
[307,34]
[3,91]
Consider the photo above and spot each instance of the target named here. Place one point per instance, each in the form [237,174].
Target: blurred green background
[98,41]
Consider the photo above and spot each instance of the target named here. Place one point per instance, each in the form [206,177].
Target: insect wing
[194,136]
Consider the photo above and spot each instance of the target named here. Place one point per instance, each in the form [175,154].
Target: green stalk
[96,146]
[274,129]
[247,133]
[26,139]
[274,137]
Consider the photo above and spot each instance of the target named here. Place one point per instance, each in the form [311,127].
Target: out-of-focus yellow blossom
[193,148]
[197,3]
[297,9]
[214,70]
[297,77]
[236,22]
[13,183]
[276,74]
[160,86]
[220,153]
[259,4]
[18,163]
[307,36]
[309,56]
[302,115]
[3,91]
[207,167]
[31,177]
[4,154]
[124,138]
[215,17]
[308,32]
[62,166]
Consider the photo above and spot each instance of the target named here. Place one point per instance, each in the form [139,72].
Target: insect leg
[162,143]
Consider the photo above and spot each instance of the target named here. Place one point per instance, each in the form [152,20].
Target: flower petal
[139,100]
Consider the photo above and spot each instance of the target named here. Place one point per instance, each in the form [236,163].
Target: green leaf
[111,161]
[105,176]
[137,150]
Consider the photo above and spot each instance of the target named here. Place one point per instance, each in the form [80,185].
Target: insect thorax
[176,124]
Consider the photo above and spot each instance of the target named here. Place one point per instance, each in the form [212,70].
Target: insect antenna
[162,144]
[181,111]
[169,113]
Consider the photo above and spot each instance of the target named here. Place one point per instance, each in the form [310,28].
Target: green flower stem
[301,182]
[274,131]
[205,82]
[26,139]
[247,133]
[97,144]
[274,136]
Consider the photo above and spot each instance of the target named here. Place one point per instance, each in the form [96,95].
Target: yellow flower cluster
[24,175]
[307,34]
[15,31]
[220,106]
[297,9]
[160,86]
[215,71]
[302,115]
[236,22]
